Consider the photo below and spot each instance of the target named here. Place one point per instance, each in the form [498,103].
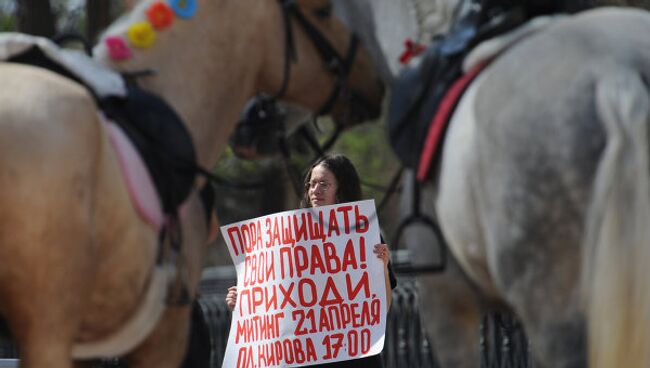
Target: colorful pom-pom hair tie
[141,35]
[184,8]
[160,15]
[117,48]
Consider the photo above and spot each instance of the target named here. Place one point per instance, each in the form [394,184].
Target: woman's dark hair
[347,179]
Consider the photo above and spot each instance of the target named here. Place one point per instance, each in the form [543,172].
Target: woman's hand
[382,251]
[231,297]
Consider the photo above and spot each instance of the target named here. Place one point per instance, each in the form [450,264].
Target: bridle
[262,110]
[262,120]
[335,63]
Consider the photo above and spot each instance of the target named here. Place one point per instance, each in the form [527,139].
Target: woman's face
[322,187]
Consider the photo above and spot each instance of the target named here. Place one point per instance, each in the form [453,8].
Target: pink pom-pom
[118,50]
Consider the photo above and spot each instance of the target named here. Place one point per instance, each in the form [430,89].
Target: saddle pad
[141,188]
[103,81]
[490,48]
[441,119]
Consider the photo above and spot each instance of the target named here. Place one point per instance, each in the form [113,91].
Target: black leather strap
[335,63]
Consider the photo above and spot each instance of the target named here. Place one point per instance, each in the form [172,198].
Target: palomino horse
[77,256]
[542,194]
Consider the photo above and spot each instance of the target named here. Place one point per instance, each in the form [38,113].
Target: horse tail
[616,269]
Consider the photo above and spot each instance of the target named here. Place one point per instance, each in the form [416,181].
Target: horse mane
[361,17]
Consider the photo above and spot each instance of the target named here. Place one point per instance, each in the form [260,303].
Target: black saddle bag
[417,91]
[161,138]
[416,94]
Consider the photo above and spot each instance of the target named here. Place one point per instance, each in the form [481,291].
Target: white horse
[78,258]
[542,195]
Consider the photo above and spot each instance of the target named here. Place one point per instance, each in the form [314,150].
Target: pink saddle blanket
[142,190]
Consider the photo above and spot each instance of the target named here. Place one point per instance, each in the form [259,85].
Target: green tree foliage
[368,149]
[366,146]
[7,22]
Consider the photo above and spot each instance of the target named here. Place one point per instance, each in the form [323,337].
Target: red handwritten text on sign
[310,290]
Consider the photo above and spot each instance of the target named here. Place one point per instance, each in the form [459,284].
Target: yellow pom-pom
[141,34]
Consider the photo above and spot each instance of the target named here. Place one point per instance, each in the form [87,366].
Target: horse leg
[549,309]
[43,278]
[534,235]
[47,268]
[43,319]
[534,229]
[451,311]
[46,222]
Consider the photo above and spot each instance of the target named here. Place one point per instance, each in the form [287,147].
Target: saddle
[155,129]
[418,91]
[162,140]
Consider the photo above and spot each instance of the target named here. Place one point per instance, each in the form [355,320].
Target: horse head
[209,57]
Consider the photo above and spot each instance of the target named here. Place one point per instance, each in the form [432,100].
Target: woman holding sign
[332,180]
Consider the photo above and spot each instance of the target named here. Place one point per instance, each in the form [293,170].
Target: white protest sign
[310,288]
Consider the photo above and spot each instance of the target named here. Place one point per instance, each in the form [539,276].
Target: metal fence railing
[406,342]
[503,343]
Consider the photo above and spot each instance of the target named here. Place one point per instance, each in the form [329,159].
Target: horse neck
[203,69]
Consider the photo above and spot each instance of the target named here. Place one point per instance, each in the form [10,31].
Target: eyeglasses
[324,186]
